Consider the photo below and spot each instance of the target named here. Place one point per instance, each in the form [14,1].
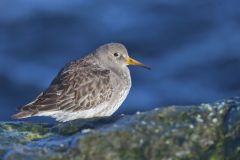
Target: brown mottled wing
[79,86]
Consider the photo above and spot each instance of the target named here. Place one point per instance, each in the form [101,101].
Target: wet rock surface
[206,131]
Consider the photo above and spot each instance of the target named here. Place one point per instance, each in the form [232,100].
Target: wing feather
[79,86]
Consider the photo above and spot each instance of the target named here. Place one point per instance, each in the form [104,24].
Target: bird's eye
[116,54]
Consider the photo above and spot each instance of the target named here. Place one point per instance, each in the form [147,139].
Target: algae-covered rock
[207,131]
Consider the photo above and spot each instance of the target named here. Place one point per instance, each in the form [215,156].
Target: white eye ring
[116,54]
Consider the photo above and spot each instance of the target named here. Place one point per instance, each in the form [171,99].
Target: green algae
[205,131]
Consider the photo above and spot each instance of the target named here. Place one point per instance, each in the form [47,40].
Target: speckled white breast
[121,91]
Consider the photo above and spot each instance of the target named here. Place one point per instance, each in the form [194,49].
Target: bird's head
[116,54]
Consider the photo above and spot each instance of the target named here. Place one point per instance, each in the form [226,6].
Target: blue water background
[193,47]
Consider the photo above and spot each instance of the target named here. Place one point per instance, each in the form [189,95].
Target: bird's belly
[64,116]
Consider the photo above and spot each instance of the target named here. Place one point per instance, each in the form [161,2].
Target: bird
[89,87]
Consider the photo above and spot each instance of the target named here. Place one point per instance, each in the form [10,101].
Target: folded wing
[80,85]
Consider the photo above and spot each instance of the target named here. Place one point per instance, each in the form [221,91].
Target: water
[192,47]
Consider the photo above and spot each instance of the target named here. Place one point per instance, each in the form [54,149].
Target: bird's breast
[121,88]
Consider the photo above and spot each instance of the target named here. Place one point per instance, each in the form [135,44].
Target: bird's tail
[22,114]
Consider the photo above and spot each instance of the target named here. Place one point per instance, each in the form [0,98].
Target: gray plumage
[94,86]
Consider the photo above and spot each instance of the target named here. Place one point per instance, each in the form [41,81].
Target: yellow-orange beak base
[131,61]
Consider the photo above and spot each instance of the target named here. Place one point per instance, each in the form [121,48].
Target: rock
[206,131]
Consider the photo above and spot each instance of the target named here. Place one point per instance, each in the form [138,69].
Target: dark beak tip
[146,67]
[149,68]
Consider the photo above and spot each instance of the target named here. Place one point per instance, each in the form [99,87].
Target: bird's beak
[131,61]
